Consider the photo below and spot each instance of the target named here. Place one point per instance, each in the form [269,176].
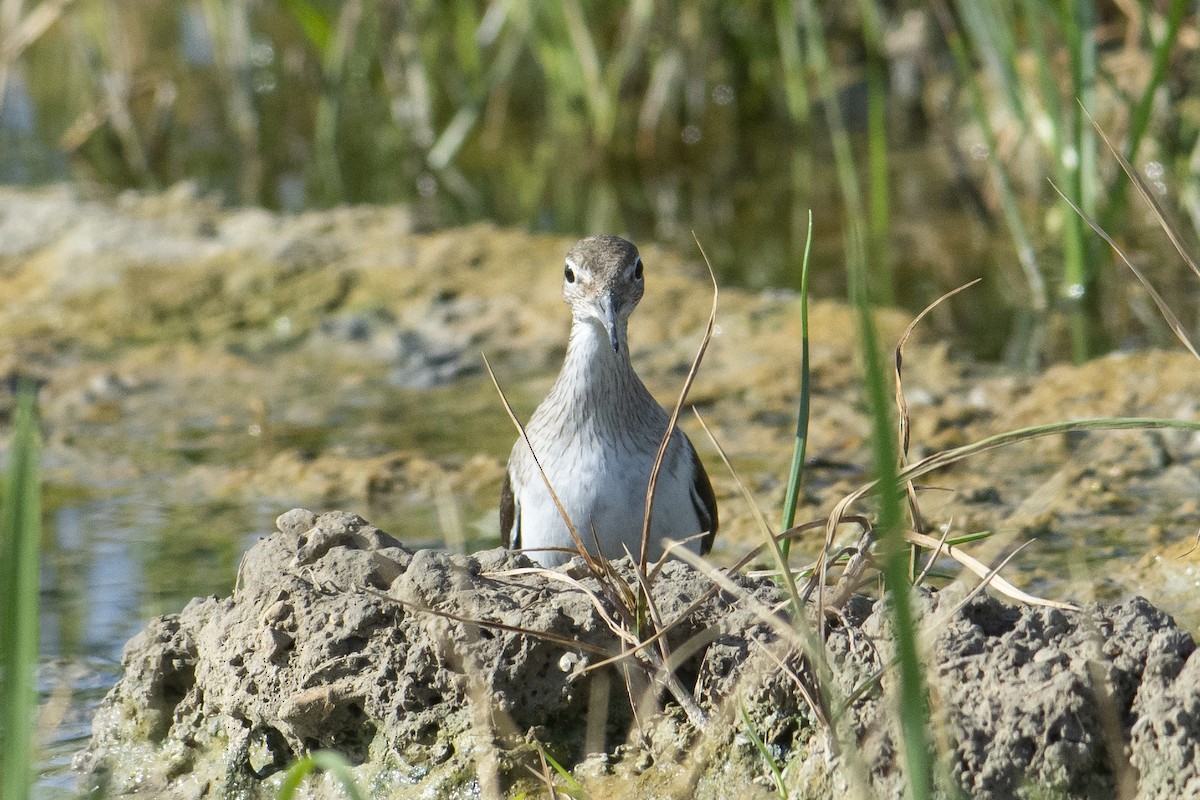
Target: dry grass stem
[1125,776]
[1139,183]
[933,557]
[583,551]
[687,385]
[562,641]
[544,774]
[770,542]
[801,686]
[799,635]
[854,573]
[652,609]
[779,625]
[927,632]
[902,404]
[946,458]
[658,666]
[1172,321]
[618,627]
[990,576]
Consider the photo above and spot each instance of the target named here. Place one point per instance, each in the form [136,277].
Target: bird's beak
[610,305]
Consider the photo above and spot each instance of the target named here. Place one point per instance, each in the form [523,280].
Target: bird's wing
[510,515]
[705,502]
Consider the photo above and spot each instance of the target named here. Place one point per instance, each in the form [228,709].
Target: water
[122,550]
[111,561]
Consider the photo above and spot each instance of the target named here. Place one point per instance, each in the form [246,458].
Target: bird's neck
[592,368]
[598,398]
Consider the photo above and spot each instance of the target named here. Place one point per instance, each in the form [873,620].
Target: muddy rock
[339,638]
[435,674]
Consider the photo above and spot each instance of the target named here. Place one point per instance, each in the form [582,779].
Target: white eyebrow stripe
[572,264]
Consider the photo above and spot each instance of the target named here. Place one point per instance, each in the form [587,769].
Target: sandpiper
[597,433]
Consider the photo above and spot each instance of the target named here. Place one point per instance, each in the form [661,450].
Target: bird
[598,431]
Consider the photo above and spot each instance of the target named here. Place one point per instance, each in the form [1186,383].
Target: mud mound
[340,638]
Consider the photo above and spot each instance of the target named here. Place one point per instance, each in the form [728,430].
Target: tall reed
[20,543]
[912,698]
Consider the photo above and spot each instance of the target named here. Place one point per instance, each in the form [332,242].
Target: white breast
[603,490]
[596,435]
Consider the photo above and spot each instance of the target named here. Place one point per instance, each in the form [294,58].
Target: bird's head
[602,282]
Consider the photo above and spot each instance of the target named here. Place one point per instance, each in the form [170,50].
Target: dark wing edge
[510,521]
[705,501]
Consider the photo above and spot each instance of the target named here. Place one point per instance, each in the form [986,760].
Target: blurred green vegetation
[929,127]
[20,542]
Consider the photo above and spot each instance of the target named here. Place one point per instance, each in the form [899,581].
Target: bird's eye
[569,274]
[637,271]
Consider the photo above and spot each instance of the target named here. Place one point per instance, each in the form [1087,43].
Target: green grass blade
[991,33]
[635,33]
[1081,269]
[894,555]
[913,705]
[947,457]
[1026,254]
[883,280]
[20,541]
[1139,119]
[967,538]
[1035,24]
[796,474]
[317,28]
[1082,42]
[326,761]
[764,753]
[913,711]
[773,547]
[574,788]
[600,104]
[1036,20]
[843,155]
[1177,327]
[330,184]
[463,21]
[795,87]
